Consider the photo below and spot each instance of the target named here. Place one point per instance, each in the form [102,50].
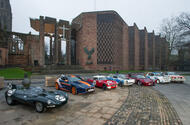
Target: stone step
[66,71]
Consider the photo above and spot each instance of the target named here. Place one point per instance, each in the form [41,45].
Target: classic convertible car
[174,77]
[121,79]
[101,81]
[73,84]
[158,77]
[35,96]
[142,80]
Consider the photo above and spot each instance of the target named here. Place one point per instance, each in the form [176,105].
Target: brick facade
[100,40]
[143,53]
[117,46]
[5,15]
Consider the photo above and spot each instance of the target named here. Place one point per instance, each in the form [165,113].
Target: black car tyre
[56,86]
[120,84]
[139,83]
[104,87]
[154,83]
[9,100]
[74,90]
[157,81]
[39,107]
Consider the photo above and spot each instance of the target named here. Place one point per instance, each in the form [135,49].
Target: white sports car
[158,77]
[175,77]
[121,79]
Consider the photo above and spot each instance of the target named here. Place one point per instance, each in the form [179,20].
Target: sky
[149,13]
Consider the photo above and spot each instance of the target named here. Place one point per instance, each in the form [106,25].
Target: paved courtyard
[179,95]
[89,109]
[129,105]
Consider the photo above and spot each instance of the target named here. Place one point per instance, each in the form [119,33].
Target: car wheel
[39,107]
[94,82]
[9,100]
[56,86]
[120,84]
[154,83]
[104,87]
[139,83]
[74,90]
[157,81]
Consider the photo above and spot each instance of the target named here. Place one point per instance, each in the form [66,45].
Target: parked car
[101,81]
[73,84]
[35,96]
[158,77]
[142,80]
[121,79]
[174,77]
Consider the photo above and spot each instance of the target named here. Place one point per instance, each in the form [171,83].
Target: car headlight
[49,102]
[60,98]
[10,92]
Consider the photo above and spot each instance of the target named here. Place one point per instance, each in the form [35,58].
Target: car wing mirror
[66,80]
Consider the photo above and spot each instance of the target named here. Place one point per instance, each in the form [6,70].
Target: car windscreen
[140,77]
[157,74]
[172,73]
[73,79]
[102,78]
[122,76]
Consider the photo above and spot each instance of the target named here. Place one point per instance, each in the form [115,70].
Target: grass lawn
[125,71]
[13,73]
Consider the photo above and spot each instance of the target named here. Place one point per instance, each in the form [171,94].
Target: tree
[170,30]
[183,20]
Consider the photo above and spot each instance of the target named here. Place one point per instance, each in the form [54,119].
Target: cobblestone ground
[88,109]
[145,106]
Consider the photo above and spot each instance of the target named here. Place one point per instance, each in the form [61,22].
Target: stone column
[41,50]
[59,50]
[51,53]
[56,45]
[68,46]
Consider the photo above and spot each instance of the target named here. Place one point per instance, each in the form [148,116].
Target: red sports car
[101,81]
[142,80]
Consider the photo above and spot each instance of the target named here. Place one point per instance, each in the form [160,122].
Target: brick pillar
[56,45]
[41,60]
[153,51]
[146,51]
[51,53]
[68,46]
[59,50]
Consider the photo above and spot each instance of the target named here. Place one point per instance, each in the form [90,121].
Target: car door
[20,95]
[95,81]
[65,84]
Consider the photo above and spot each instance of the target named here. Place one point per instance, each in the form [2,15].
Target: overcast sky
[149,13]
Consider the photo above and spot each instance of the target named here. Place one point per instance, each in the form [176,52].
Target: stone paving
[128,105]
[88,109]
[145,106]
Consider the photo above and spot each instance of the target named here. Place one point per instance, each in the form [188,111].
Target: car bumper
[128,83]
[57,104]
[148,84]
[112,86]
[177,80]
[89,90]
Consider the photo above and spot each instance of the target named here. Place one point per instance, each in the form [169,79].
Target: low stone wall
[50,81]
[1,82]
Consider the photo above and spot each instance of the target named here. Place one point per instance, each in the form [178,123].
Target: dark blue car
[73,84]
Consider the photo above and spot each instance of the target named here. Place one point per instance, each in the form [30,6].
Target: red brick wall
[137,47]
[3,56]
[86,37]
[146,50]
[125,48]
